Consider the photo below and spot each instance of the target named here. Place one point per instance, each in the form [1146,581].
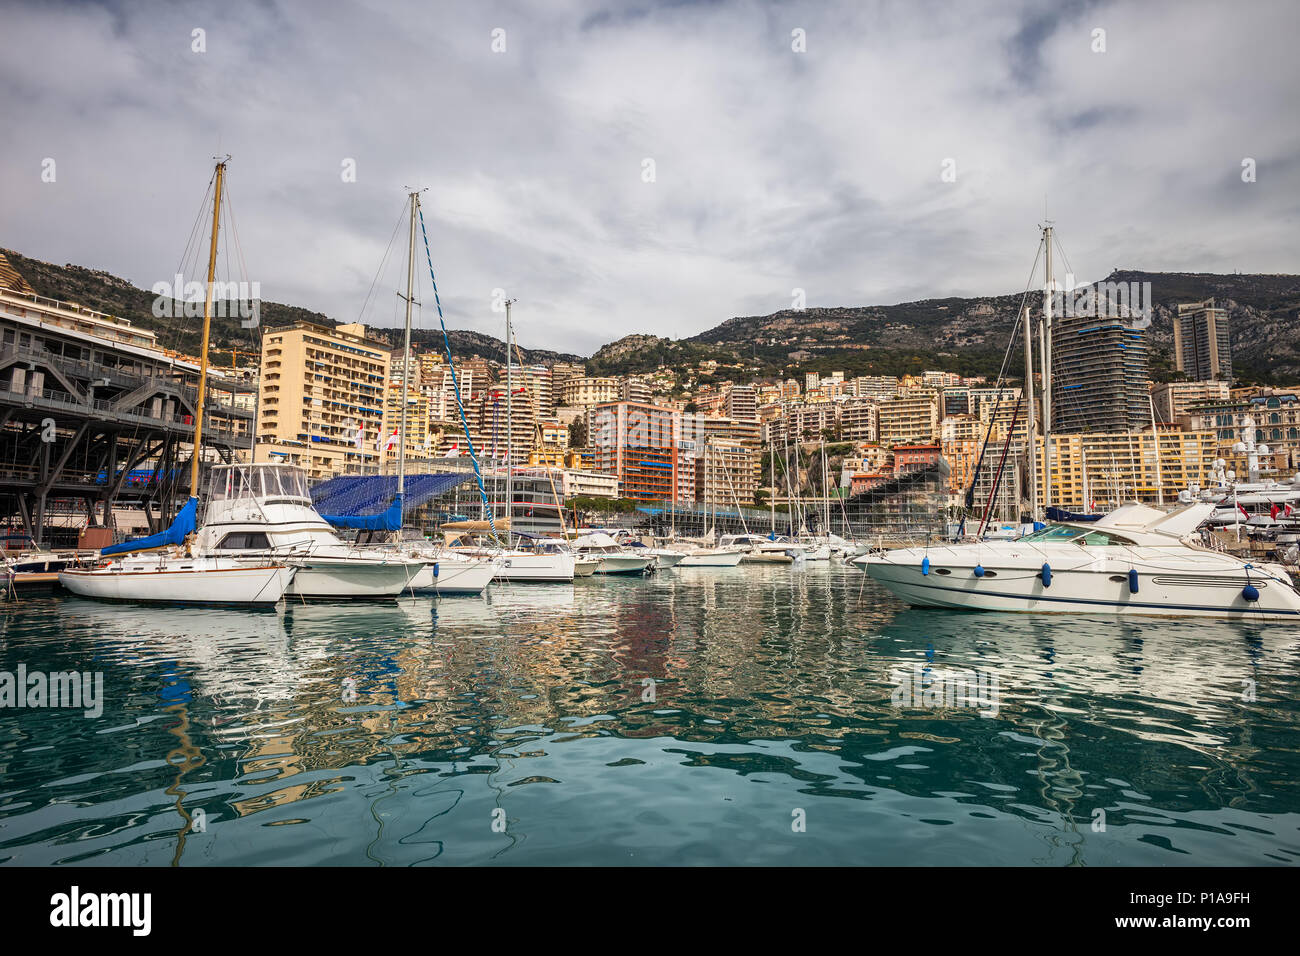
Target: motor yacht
[613,557]
[265,509]
[1135,560]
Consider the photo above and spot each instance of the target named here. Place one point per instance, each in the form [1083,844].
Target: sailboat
[436,570]
[1134,561]
[710,552]
[163,567]
[526,559]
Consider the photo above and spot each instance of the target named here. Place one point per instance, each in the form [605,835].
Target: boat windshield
[1054,532]
[246,481]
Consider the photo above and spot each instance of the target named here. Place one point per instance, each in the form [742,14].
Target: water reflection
[681,718]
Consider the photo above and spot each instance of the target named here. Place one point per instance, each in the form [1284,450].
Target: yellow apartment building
[1121,466]
[321,398]
[910,417]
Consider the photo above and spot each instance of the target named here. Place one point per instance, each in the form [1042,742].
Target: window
[1056,532]
[1103,539]
[244,541]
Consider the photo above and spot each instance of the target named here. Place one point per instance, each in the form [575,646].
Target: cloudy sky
[774,168]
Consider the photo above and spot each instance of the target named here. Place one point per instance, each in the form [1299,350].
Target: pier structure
[96,416]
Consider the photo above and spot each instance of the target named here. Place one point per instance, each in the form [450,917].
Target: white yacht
[613,557]
[764,549]
[541,560]
[173,576]
[704,557]
[664,558]
[1134,561]
[266,509]
[446,572]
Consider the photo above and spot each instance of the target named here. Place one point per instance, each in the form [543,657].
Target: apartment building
[1099,375]
[742,403]
[638,443]
[726,474]
[1202,341]
[859,419]
[875,386]
[588,391]
[910,417]
[321,398]
[1101,470]
[1173,400]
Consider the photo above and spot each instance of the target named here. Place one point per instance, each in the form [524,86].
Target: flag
[361,437]
[392,440]
[1287,511]
[1242,509]
[454,450]
[1273,510]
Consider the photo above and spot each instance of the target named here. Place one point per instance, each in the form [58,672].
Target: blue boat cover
[388,520]
[182,525]
[1060,514]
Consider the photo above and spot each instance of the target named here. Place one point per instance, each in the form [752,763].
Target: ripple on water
[733,718]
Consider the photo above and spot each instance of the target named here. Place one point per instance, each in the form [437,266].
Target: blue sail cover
[1060,514]
[389,520]
[182,525]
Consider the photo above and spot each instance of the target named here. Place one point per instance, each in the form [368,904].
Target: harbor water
[755,715]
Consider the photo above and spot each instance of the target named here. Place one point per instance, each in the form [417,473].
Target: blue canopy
[1060,514]
[182,525]
[389,520]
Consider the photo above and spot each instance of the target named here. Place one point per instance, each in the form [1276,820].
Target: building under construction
[97,422]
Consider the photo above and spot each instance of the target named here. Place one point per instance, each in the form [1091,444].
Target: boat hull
[542,568]
[339,579]
[623,564]
[219,585]
[714,559]
[1090,590]
[454,577]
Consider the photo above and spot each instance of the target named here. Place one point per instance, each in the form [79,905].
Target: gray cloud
[775,169]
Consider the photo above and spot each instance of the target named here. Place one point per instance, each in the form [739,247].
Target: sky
[649,167]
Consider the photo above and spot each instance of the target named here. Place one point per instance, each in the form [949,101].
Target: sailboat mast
[1155,437]
[1047,368]
[771,467]
[510,430]
[207,329]
[406,352]
[1031,441]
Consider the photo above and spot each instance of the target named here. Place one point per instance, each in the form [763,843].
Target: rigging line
[1006,357]
[383,262]
[198,218]
[455,381]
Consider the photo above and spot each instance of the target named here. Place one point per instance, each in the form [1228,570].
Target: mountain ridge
[967,334]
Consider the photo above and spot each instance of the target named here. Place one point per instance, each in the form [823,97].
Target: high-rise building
[1099,375]
[638,443]
[322,398]
[1202,347]
[727,474]
[634,390]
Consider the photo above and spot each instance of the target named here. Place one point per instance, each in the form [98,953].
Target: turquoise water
[518,729]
